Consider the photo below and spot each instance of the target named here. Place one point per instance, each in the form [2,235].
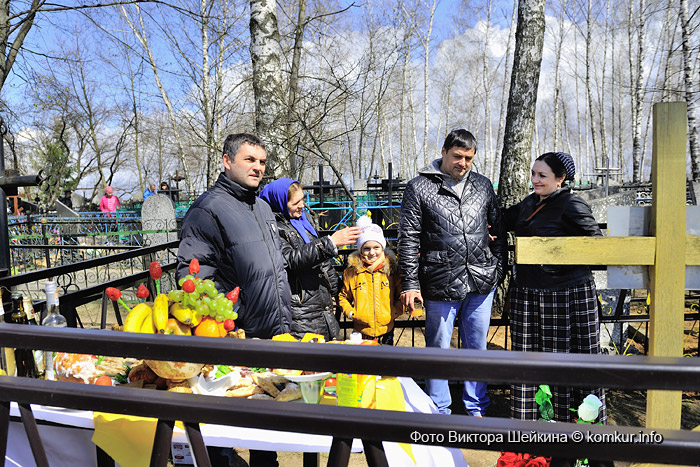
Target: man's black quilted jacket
[444,240]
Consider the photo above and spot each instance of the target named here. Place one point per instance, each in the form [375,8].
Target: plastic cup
[312,391]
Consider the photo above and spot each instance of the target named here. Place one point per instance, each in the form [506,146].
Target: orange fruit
[209,327]
[104,380]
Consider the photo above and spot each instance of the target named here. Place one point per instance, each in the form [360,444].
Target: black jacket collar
[557,194]
[243,194]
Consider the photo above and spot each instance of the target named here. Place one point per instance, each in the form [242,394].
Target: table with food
[198,309]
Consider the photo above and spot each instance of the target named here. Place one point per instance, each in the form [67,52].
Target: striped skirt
[564,320]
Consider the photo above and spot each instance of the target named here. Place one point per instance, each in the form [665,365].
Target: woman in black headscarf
[553,308]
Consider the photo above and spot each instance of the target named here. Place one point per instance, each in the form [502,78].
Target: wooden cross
[667,251]
[15,198]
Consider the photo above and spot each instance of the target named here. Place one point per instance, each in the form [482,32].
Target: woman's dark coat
[313,281]
[564,215]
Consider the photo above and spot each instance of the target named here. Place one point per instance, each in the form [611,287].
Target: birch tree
[408,151]
[522,102]
[590,24]
[487,83]
[291,143]
[506,85]
[637,79]
[72,109]
[266,53]
[425,40]
[416,20]
[205,43]
[557,67]
[690,98]
[602,117]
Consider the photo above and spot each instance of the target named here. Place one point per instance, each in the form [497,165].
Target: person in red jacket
[109,202]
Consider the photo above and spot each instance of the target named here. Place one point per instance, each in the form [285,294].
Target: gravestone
[64,211]
[634,221]
[600,206]
[77,200]
[159,223]
[627,221]
[613,336]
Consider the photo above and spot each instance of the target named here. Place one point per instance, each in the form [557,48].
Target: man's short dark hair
[459,138]
[233,143]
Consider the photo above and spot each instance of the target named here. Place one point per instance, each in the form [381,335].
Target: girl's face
[295,204]
[543,179]
[370,251]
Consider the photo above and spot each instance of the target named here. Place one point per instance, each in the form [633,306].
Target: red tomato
[233,295]
[113,294]
[194,266]
[331,382]
[104,381]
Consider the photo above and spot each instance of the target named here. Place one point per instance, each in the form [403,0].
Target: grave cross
[666,252]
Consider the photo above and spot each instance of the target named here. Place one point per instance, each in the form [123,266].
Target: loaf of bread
[266,384]
[290,392]
[244,391]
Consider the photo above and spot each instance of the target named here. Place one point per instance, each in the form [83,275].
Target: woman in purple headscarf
[311,276]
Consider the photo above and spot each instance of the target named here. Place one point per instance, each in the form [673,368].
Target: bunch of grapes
[202,297]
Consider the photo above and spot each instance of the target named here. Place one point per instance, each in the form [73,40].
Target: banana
[134,320]
[160,313]
[148,327]
[184,315]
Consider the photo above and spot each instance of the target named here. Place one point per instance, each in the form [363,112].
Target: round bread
[76,368]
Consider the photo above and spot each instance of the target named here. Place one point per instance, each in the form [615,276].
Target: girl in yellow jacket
[371,285]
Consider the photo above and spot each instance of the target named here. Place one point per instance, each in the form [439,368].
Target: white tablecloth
[70,445]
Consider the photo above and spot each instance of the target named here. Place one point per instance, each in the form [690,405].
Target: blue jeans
[474,317]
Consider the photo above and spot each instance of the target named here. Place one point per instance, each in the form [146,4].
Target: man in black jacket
[447,257]
[234,236]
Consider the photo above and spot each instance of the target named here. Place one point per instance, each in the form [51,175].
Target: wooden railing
[344,424]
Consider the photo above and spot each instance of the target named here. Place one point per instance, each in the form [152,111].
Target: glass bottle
[24,358]
[29,311]
[18,315]
[53,318]
[32,321]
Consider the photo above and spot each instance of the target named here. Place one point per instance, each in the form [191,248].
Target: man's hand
[491,237]
[408,298]
[346,236]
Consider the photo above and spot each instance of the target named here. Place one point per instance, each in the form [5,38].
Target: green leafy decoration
[222,370]
[123,377]
[543,397]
